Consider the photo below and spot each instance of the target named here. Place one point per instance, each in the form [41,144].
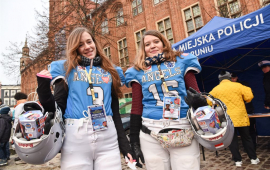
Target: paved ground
[221,162]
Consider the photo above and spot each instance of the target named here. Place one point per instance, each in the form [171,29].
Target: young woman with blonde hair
[160,76]
[87,79]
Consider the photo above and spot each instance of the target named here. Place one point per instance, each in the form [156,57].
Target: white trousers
[175,158]
[85,149]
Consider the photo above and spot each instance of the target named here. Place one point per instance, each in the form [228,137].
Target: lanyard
[162,78]
[90,81]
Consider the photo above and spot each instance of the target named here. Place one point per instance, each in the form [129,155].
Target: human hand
[135,147]
[267,107]
[45,74]
[130,162]
[195,99]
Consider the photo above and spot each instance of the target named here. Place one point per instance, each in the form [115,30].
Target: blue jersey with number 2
[79,94]
[152,88]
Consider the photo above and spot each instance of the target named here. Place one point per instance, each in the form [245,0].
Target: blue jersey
[152,88]
[79,93]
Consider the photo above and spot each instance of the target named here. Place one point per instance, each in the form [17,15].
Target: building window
[104,27]
[136,7]
[13,102]
[265,2]
[165,28]
[158,1]
[6,101]
[229,8]
[193,19]
[138,36]
[123,52]
[128,95]
[13,92]
[6,92]
[119,17]
[107,52]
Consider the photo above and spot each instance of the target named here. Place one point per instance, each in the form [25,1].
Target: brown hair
[169,53]
[73,58]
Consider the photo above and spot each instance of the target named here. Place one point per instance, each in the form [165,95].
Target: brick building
[123,22]
[29,68]
[7,94]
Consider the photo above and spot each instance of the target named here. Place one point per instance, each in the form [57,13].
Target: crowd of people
[87,79]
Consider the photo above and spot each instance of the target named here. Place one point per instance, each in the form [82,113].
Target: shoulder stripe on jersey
[58,77]
[192,68]
[133,80]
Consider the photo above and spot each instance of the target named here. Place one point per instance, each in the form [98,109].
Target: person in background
[5,131]
[20,98]
[250,110]
[265,66]
[156,59]
[234,95]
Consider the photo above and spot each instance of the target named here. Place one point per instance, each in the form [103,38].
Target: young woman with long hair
[86,80]
[160,72]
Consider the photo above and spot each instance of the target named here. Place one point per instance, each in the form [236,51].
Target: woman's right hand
[45,74]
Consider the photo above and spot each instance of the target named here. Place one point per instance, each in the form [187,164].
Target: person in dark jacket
[265,66]
[250,110]
[5,130]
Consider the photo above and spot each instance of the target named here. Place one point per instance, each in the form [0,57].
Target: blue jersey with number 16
[152,88]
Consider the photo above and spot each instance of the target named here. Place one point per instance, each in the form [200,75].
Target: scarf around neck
[154,60]
[86,61]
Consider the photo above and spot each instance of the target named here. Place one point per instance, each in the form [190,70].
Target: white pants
[175,158]
[84,149]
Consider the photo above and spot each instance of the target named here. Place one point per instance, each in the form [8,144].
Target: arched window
[104,26]
[119,17]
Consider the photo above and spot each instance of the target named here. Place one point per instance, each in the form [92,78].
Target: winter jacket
[266,85]
[233,95]
[5,127]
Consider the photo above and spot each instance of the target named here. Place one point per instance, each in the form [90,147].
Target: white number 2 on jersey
[153,89]
[100,94]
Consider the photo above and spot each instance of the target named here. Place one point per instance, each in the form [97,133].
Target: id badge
[98,117]
[171,107]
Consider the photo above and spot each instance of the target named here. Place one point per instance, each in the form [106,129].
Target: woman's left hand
[130,158]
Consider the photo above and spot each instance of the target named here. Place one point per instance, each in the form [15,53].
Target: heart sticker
[105,79]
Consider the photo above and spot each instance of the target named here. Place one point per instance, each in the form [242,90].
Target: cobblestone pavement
[212,162]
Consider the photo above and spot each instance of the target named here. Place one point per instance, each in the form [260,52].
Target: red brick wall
[147,19]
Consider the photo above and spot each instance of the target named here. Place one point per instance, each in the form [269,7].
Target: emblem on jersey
[80,68]
[102,71]
[169,64]
[148,69]
[105,79]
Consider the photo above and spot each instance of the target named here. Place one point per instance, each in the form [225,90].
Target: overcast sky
[17,18]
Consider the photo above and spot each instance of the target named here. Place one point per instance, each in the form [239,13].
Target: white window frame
[119,16]
[13,102]
[230,15]
[129,95]
[6,91]
[263,5]
[107,52]
[155,2]
[6,101]
[137,42]
[119,52]
[165,29]
[192,18]
[136,7]
[104,27]
[13,92]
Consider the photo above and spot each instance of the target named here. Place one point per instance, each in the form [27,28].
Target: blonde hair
[169,54]
[73,58]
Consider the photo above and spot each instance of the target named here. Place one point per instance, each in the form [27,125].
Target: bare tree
[48,40]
